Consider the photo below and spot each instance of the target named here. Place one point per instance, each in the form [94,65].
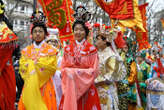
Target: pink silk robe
[79,69]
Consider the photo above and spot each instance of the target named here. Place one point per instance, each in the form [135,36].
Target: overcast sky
[157,6]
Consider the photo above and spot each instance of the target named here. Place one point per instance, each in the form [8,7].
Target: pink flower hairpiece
[87,24]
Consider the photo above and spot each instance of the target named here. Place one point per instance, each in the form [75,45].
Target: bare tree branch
[94,13]
[12,10]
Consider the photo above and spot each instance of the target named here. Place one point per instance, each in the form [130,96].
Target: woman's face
[79,32]
[100,43]
[38,34]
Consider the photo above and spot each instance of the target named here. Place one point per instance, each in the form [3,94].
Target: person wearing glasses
[38,64]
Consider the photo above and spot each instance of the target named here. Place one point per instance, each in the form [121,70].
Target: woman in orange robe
[38,63]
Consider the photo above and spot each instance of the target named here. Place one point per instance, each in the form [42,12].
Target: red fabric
[66,38]
[66,31]
[117,9]
[88,101]
[119,41]
[7,79]
[142,37]
[88,25]
[7,36]
[160,69]
[86,48]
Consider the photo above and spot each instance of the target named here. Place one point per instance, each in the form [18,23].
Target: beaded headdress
[106,33]
[38,18]
[81,14]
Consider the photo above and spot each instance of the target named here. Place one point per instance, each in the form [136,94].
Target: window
[21,22]
[26,22]
[22,8]
[15,22]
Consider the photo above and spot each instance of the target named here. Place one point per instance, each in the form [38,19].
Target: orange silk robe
[37,65]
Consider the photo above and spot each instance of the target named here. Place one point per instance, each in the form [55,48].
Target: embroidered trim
[46,50]
[84,50]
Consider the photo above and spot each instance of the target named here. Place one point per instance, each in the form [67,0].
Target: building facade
[19,13]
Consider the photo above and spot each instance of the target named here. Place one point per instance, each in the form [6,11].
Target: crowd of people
[107,73]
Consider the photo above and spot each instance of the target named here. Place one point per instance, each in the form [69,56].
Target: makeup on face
[79,32]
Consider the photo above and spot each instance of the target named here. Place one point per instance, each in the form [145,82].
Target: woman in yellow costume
[37,64]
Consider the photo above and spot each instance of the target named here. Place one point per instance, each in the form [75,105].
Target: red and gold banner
[6,35]
[117,9]
[131,23]
[142,37]
[59,14]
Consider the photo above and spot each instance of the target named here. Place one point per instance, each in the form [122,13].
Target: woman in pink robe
[79,69]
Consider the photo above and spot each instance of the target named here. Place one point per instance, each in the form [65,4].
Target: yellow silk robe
[37,65]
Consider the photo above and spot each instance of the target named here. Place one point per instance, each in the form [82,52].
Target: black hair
[84,26]
[104,39]
[42,25]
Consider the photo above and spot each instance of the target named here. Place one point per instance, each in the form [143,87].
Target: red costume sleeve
[5,54]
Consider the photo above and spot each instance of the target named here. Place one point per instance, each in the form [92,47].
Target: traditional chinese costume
[137,78]
[38,63]
[123,85]
[7,75]
[79,69]
[112,70]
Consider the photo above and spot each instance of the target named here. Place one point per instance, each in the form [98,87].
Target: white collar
[79,43]
[38,46]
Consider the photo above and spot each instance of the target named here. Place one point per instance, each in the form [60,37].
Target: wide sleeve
[35,74]
[46,67]
[77,80]
[83,77]
[24,64]
[115,70]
